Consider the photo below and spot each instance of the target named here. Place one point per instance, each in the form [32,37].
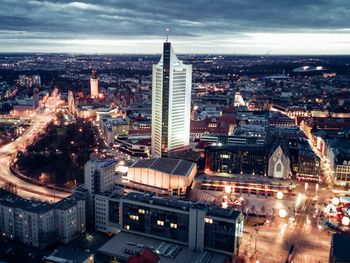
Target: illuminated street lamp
[227,189]
[279,195]
[335,201]
[345,221]
[282,213]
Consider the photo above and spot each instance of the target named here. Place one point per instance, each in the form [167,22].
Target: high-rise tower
[171,104]
[94,84]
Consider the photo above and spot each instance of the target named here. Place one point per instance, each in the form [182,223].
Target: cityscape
[168,137]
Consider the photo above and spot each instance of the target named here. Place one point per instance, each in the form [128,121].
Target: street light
[335,201]
[227,189]
[345,221]
[279,195]
[282,213]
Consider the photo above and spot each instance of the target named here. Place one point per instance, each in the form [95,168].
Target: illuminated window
[208,220]
[173,225]
[133,217]
[141,211]
[160,223]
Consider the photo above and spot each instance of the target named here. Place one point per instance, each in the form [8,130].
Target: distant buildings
[29,81]
[27,105]
[39,224]
[256,148]
[94,84]
[171,104]
[114,128]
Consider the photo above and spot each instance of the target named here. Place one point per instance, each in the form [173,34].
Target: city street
[39,121]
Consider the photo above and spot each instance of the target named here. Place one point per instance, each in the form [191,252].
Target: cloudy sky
[196,26]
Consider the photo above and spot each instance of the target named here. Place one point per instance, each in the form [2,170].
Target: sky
[196,26]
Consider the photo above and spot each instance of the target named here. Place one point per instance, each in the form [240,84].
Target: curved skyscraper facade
[171,104]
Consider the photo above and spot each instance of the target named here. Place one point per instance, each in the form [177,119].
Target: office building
[171,104]
[94,84]
[199,227]
[237,159]
[98,178]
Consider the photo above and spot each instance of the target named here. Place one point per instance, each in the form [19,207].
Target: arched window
[279,167]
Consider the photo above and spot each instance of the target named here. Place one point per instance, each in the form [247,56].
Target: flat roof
[67,253]
[166,165]
[175,203]
[125,241]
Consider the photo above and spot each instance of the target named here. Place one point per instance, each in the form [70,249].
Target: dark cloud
[115,19]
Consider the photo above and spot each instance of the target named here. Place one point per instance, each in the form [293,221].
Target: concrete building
[98,178]
[198,227]
[40,224]
[114,128]
[107,211]
[171,104]
[168,174]
[94,84]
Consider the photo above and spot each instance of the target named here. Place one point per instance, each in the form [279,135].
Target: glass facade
[165,97]
[156,222]
[220,235]
[237,159]
[113,212]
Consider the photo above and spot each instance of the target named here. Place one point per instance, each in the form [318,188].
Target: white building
[94,84]
[107,211]
[279,163]
[171,104]
[40,224]
[98,178]
[168,174]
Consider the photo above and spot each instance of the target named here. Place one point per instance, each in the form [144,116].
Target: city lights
[213,153]
[282,213]
[335,201]
[345,221]
[227,189]
[279,195]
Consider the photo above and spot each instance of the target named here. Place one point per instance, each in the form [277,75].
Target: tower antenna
[167,34]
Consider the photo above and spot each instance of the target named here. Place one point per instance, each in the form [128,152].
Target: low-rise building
[199,227]
[169,174]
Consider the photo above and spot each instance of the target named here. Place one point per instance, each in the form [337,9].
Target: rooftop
[67,254]
[124,245]
[176,203]
[166,165]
